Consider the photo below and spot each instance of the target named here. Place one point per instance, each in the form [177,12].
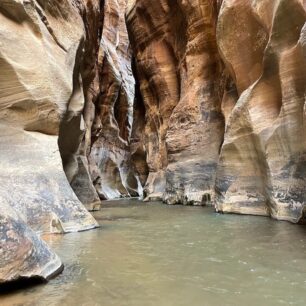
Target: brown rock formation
[78,128]
[179,71]
[190,82]
[40,86]
[110,157]
[98,161]
[262,162]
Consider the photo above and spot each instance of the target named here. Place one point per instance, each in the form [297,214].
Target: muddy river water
[154,254]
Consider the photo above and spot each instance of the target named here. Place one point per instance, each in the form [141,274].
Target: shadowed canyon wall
[41,51]
[179,71]
[190,102]
[223,85]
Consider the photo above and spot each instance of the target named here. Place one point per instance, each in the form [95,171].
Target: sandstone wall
[223,88]
[196,125]
[262,161]
[110,156]
[180,72]
[198,101]
[98,163]
[41,52]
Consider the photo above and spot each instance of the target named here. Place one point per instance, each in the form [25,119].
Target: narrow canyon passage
[152,254]
[197,104]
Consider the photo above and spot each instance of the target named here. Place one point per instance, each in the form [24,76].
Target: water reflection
[153,254]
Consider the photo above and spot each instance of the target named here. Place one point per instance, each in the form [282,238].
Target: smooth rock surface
[110,157]
[22,254]
[180,71]
[223,88]
[40,53]
[262,161]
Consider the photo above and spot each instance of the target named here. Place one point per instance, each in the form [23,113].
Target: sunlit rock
[40,82]
[262,162]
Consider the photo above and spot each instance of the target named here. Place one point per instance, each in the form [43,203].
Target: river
[154,254]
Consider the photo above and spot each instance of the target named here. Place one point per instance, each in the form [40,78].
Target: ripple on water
[174,255]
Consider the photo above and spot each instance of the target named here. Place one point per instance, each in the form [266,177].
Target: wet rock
[22,254]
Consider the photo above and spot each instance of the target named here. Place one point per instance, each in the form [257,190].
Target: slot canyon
[194,103]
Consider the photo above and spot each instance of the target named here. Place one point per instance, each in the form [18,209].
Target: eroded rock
[110,156]
[22,254]
[179,69]
[231,70]
[261,168]
[40,52]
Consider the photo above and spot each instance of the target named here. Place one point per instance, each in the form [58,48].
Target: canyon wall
[99,163]
[190,102]
[223,86]
[41,52]
[262,161]
[66,115]
[180,72]
[110,156]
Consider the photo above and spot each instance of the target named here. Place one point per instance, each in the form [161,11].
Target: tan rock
[178,69]
[110,156]
[190,82]
[75,130]
[261,169]
[22,254]
[40,86]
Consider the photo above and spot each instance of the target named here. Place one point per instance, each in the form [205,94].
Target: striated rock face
[262,161]
[98,162]
[110,157]
[75,129]
[23,254]
[223,88]
[199,102]
[41,52]
[179,71]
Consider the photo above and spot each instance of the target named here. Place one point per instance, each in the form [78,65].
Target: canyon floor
[155,254]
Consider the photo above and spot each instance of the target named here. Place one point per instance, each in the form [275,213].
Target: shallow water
[153,254]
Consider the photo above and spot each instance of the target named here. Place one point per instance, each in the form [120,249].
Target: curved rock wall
[262,161]
[203,102]
[180,73]
[110,156]
[223,85]
[41,51]
[67,96]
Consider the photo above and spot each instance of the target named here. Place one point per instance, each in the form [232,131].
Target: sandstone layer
[41,51]
[262,161]
[190,102]
[223,91]
[98,163]
[179,70]
[110,158]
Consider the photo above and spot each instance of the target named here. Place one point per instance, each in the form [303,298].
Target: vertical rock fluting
[152,28]
[195,60]
[110,156]
[40,86]
[216,113]
[196,125]
[262,162]
[75,131]
[179,70]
